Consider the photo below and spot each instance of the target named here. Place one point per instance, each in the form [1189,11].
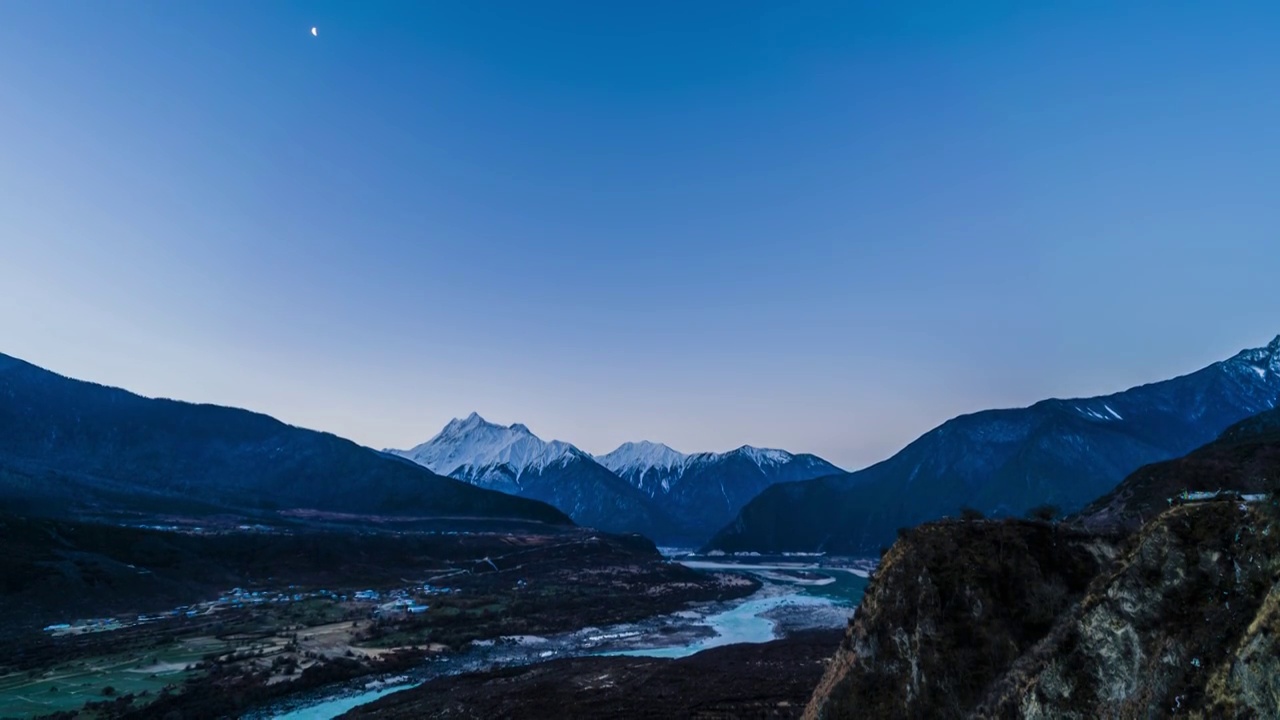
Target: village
[378,604]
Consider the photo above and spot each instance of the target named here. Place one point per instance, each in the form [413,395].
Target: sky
[822,226]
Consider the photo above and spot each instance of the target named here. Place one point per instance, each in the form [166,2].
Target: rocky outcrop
[1181,624]
[1253,680]
[1085,619]
[950,609]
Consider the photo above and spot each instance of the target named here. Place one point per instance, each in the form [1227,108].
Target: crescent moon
[313,32]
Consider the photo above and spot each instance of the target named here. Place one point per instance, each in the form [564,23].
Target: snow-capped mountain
[656,468]
[1063,452]
[646,465]
[705,490]
[643,486]
[512,459]
[490,455]
[1263,362]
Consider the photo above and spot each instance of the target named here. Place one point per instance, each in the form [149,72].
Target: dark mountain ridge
[78,449]
[592,496]
[1004,462]
[1244,459]
[703,491]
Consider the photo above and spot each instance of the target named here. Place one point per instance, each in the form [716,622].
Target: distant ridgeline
[641,487]
[76,449]
[1005,462]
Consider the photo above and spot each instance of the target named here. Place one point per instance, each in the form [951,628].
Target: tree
[969,514]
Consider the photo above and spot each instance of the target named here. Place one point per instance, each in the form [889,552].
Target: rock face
[1004,462]
[951,607]
[1083,619]
[1184,622]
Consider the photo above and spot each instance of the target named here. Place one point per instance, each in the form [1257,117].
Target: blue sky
[824,226]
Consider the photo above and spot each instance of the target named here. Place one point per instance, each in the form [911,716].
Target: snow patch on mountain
[1261,360]
[1104,413]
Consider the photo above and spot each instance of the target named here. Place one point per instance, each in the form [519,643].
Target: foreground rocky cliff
[1084,619]
[1184,623]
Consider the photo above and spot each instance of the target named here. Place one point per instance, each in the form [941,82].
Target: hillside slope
[1003,462]
[74,448]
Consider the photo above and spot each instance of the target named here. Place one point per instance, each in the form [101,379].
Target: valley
[791,600]
[165,559]
[284,646]
[279,635]
[140,600]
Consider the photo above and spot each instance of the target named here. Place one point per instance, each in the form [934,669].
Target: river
[794,596]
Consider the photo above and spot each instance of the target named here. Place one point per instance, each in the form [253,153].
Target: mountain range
[706,490]
[1004,462]
[76,449]
[640,487]
[79,449]
[513,460]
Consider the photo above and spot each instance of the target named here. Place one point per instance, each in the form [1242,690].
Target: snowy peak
[645,485]
[470,445]
[763,456]
[473,424]
[1262,360]
[638,458]
[705,490]
[513,460]
[641,456]
[760,457]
